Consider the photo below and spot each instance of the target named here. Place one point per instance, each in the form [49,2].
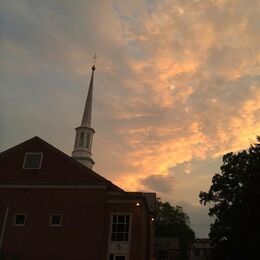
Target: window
[55,220]
[196,252]
[162,255]
[120,257]
[76,139]
[116,257]
[19,220]
[81,139]
[88,141]
[120,227]
[32,161]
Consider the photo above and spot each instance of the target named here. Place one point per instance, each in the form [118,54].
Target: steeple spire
[86,119]
[84,133]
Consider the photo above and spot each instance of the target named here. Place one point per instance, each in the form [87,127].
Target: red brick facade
[84,199]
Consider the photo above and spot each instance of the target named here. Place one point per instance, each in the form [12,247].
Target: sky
[176,86]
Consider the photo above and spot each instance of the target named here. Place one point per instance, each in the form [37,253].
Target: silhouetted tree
[173,222]
[235,194]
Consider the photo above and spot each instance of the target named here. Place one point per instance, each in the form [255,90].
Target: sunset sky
[176,86]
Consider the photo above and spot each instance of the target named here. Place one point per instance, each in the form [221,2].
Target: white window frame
[129,227]
[110,242]
[24,160]
[19,214]
[56,225]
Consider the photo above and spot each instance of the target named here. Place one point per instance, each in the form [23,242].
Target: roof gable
[56,167]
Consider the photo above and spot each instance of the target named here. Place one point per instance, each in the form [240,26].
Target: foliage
[235,195]
[173,222]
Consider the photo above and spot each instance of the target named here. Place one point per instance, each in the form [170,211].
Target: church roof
[56,168]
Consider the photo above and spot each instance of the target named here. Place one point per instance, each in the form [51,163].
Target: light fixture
[137,204]
[152,219]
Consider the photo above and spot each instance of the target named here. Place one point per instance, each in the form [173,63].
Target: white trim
[58,186]
[19,214]
[128,243]
[24,159]
[55,225]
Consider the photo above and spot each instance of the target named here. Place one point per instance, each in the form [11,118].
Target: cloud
[177,83]
[158,183]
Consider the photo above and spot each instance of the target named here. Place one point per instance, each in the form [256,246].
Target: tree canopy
[235,195]
[173,222]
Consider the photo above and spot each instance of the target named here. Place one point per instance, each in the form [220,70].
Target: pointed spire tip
[94,67]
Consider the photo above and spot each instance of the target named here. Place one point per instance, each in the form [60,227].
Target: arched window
[81,139]
[76,140]
[88,141]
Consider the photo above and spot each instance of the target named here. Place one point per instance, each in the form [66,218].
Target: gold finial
[93,67]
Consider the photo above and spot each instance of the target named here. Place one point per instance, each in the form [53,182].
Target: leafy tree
[173,222]
[235,194]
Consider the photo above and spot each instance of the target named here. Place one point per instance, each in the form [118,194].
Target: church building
[53,206]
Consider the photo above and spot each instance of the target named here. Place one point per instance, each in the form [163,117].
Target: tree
[173,222]
[235,194]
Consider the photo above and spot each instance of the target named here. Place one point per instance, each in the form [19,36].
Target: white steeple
[84,133]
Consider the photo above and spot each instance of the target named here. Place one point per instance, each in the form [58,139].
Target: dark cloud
[158,183]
